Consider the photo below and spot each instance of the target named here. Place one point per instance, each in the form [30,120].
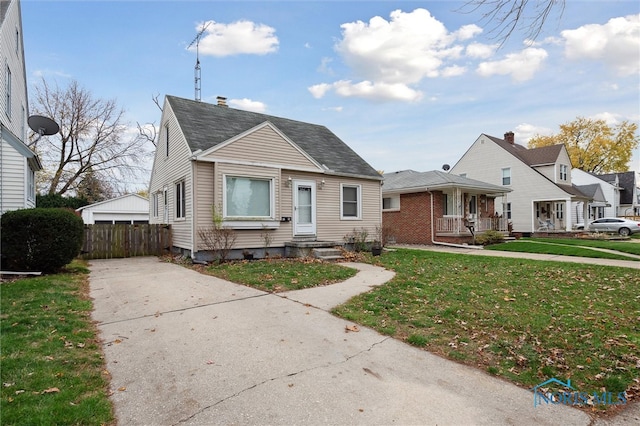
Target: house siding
[485,160]
[167,171]
[263,146]
[329,226]
[14,167]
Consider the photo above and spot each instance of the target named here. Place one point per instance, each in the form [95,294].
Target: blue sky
[407,84]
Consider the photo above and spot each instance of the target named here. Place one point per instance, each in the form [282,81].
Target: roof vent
[222,101]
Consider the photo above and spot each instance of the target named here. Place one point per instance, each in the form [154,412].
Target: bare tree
[508,16]
[92,139]
[148,131]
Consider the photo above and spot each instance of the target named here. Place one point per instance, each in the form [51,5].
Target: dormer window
[564,171]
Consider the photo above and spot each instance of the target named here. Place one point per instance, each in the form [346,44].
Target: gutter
[441,243]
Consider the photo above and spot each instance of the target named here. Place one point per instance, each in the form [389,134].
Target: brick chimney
[509,137]
[222,101]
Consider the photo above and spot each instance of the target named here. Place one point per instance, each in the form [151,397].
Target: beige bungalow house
[437,207]
[294,182]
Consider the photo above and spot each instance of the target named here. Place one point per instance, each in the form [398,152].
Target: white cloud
[525,131]
[616,44]
[453,71]
[319,90]
[47,72]
[608,117]
[324,66]
[369,90]
[240,37]
[248,105]
[405,49]
[521,66]
[480,50]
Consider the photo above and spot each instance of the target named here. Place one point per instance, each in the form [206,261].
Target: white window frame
[250,222]
[7,83]
[560,211]
[166,140]
[181,200]
[507,211]
[564,172]
[155,204]
[506,175]
[358,201]
[394,203]
[31,184]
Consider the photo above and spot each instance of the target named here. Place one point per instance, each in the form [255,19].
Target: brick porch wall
[412,224]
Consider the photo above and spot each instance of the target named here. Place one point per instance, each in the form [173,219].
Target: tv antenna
[197,68]
[43,126]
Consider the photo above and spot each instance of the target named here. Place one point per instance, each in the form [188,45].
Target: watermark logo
[568,395]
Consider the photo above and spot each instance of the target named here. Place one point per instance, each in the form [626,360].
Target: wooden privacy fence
[107,241]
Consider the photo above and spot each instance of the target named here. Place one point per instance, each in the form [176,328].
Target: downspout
[441,243]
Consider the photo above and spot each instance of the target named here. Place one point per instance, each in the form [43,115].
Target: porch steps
[326,253]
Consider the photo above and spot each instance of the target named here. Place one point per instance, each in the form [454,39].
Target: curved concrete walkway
[186,348]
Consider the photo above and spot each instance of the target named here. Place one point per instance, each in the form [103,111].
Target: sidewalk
[516,255]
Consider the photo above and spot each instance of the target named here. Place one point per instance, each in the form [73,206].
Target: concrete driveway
[185,348]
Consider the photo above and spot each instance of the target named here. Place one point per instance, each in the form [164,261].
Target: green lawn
[282,274]
[559,247]
[524,320]
[52,364]
[622,246]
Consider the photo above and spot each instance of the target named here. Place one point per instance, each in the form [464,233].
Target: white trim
[359,201]
[255,164]
[251,224]
[272,201]
[306,229]
[253,130]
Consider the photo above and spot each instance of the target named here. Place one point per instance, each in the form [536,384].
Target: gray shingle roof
[206,125]
[626,180]
[538,156]
[410,179]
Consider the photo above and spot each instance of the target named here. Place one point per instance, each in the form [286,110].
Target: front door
[304,208]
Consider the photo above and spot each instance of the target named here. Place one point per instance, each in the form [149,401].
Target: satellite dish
[43,126]
[446,167]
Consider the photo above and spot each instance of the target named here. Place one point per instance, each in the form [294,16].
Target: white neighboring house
[130,208]
[18,163]
[540,180]
[597,208]
[627,182]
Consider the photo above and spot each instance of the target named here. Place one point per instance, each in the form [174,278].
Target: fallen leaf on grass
[353,328]
[50,390]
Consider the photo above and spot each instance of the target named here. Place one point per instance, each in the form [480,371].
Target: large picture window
[248,197]
[351,204]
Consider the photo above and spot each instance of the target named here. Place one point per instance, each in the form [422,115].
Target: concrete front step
[326,253]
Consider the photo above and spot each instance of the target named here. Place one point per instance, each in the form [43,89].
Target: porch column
[569,215]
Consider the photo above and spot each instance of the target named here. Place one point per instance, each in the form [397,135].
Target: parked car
[615,224]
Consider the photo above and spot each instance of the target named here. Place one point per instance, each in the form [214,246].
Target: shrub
[56,200]
[40,239]
[490,237]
